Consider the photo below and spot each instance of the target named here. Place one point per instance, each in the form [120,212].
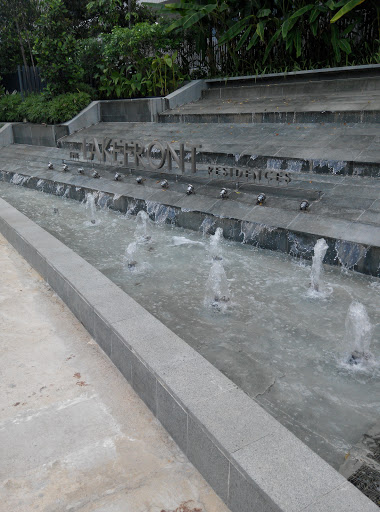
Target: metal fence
[25,80]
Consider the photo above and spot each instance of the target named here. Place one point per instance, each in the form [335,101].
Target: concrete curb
[250,460]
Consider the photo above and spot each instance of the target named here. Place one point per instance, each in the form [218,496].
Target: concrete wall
[6,135]
[187,94]
[87,117]
[38,134]
[144,110]
[251,461]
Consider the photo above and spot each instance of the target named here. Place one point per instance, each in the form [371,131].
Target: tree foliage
[236,37]
[117,48]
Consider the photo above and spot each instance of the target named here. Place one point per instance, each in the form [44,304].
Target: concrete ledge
[368,70]
[186,94]
[356,244]
[349,116]
[250,460]
[6,135]
[87,117]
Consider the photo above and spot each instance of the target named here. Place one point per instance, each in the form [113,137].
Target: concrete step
[341,208]
[344,87]
[335,196]
[283,99]
[353,149]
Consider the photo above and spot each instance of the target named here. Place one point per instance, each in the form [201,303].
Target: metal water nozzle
[139,180]
[80,170]
[55,210]
[190,190]
[358,357]
[304,206]
[50,165]
[223,194]
[261,198]
[95,174]
[65,167]
[164,184]
[117,177]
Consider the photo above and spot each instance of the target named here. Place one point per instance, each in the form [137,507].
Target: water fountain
[141,231]
[358,335]
[278,347]
[130,255]
[316,275]
[215,248]
[217,289]
[141,238]
[91,209]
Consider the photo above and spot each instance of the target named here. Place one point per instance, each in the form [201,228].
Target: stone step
[339,87]
[333,196]
[284,99]
[254,115]
[330,149]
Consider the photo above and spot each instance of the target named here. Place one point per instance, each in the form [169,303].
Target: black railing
[29,79]
[25,80]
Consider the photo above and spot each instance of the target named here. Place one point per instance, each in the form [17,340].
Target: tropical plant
[165,76]
[233,36]
[9,107]
[39,108]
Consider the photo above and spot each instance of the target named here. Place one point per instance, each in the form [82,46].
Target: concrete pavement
[73,434]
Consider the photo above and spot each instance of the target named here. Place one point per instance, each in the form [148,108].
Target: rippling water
[276,340]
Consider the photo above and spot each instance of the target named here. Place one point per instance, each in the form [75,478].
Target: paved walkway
[73,434]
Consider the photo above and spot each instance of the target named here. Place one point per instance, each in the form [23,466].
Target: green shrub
[83,87]
[64,107]
[39,108]
[10,107]
[35,109]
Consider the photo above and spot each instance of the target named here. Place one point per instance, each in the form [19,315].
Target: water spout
[91,209]
[141,231]
[217,289]
[215,245]
[130,255]
[316,275]
[358,335]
